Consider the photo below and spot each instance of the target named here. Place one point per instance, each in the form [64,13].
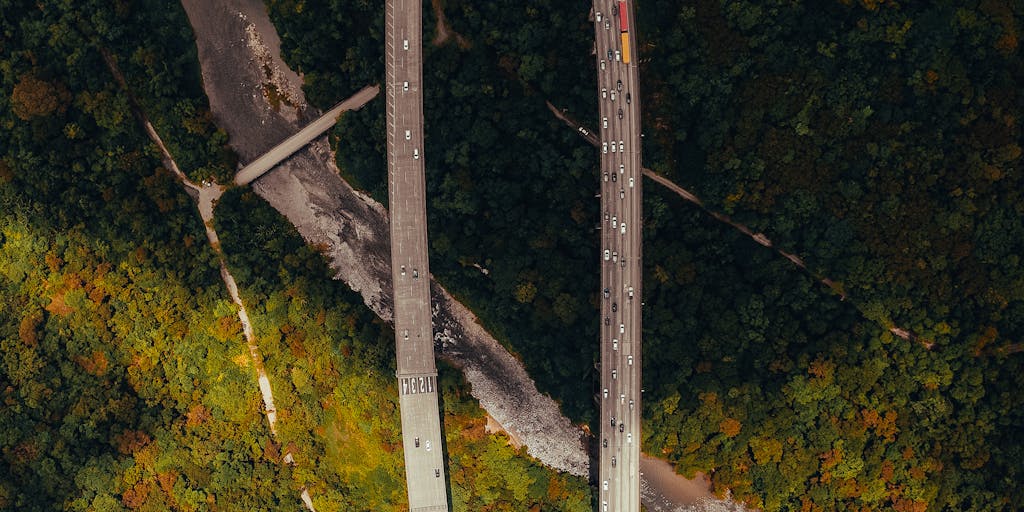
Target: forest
[877,140]
[125,380]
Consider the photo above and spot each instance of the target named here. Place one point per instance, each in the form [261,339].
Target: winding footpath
[206,198]
[757,237]
[763,240]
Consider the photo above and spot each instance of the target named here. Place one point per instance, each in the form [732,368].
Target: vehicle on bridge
[624,31]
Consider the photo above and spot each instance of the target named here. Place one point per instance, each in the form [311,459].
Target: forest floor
[352,228]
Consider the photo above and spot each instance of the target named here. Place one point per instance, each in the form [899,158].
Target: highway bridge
[414,340]
[620,258]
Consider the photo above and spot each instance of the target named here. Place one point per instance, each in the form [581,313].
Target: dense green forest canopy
[124,378]
[877,140]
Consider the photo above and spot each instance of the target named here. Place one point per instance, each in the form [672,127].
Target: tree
[33,97]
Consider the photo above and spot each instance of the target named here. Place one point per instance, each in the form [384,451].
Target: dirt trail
[763,240]
[443,32]
[206,198]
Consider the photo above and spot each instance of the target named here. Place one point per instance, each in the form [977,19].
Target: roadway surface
[271,158]
[414,340]
[618,483]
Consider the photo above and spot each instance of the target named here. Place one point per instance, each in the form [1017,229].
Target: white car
[622,228]
[631,292]
[629,437]
[622,193]
[631,183]
[622,168]
[604,147]
[613,95]
[615,343]
[622,398]
[428,446]
[405,86]
[622,328]
[614,373]
[606,176]
[405,44]
[622,147]
[606,485]
[631,404]
[613,142]
[604,92]
[618,56]
[615,222]
[416,153]
[606,392]
[607,255]
[629,359]
[599,17]
[604,122]
[615,255]
[602,65]
[408,135]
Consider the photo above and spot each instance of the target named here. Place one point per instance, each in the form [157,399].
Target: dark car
[615,305]
[622,427]
[620,113]
[618,86]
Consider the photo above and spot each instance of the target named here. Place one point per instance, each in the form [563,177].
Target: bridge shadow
[594,472]
[446,466]
[593,442]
